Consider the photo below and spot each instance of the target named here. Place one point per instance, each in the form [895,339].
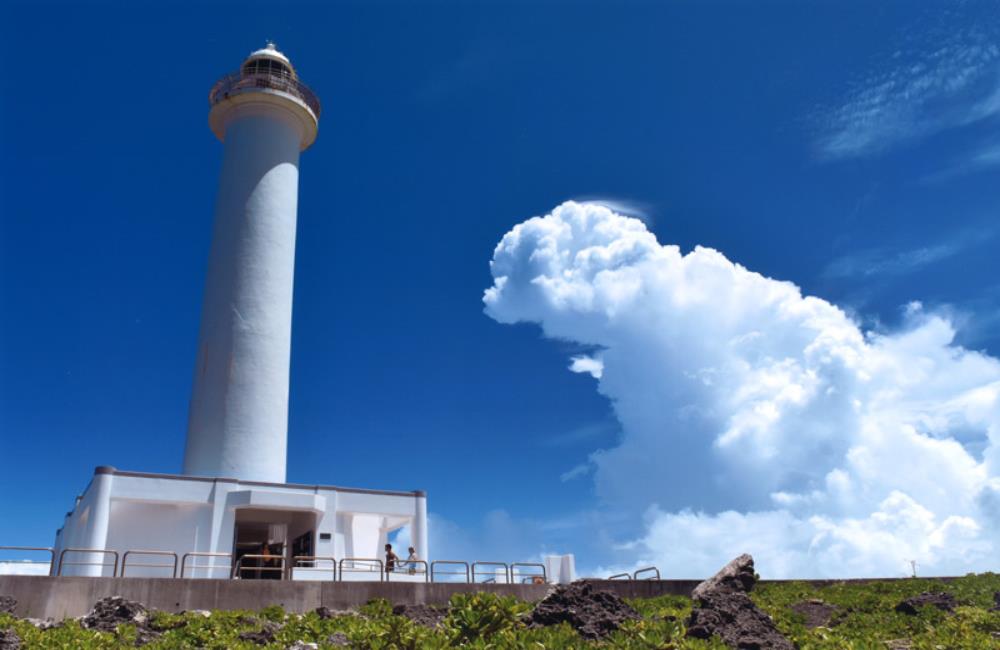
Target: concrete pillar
[96,536]
[238,418]
[419,530]
[221,538]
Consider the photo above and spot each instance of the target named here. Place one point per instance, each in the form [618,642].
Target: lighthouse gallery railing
[237,82]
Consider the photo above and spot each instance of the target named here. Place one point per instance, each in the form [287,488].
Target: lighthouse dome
[268,60]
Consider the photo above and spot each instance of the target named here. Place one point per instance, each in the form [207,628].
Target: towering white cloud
[755,418]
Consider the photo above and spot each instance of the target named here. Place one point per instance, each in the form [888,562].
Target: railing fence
[346,569]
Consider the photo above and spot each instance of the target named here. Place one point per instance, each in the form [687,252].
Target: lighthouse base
[161,525]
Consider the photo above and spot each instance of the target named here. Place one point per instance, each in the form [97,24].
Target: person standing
[412,560]
[390,559]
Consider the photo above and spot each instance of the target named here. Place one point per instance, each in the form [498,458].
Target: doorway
[265,541]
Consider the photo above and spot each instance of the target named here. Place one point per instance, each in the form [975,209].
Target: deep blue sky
[443,126]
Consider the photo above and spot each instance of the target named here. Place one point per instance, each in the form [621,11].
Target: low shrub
[864,617]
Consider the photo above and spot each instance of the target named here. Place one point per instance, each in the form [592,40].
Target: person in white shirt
[412,560]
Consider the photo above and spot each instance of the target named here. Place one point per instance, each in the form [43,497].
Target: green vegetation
[862,617]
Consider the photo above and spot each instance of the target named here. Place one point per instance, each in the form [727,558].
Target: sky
[643,282]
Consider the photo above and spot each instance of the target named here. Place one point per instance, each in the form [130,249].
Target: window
[267,66]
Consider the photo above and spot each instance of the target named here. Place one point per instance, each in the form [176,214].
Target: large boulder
[941,600]
[7,604]
[815,612]
[426,615]
[723,608]
[590,612]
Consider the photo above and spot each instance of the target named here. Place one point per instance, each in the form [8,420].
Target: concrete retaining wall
[62,597]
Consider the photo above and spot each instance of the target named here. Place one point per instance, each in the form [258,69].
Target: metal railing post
[649,569]
[238,568]
[506,569]
[544,575]
[311,558]
[39,549]
[172,567]
[62,557]
[434,572]
[209,567]
[352,560]
[404,570]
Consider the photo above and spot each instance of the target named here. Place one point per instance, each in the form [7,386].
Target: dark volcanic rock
[815,612]
[943,601]
[592,613]
[9,640]
[109,613]
[324,612]
[724,609]
[996,602]
[7,604]
[263,636]
[426,615]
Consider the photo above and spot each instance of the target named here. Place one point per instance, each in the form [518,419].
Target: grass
[865,619]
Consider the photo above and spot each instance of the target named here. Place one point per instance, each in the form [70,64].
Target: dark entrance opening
[265,541]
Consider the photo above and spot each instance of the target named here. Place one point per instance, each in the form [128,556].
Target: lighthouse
[232,499]
[238,418]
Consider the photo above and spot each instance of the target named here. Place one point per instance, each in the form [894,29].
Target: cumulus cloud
[755,418]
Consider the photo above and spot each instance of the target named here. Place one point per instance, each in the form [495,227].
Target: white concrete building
[128,511]
[232,499]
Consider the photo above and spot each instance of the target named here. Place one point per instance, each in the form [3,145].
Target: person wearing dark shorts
[390,559]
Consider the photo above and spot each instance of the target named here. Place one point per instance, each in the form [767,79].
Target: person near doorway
[411,560]
[390,559]
[269,563]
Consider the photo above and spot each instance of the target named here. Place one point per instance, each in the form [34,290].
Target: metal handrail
[409,570]
[172,567]
[620,576]
[210,567]
[381,566]
[237,82]
[312,558]
[506,570]
[434,572]
[544,575]
[238,568]
[62,556]
[649,569]
[51,551]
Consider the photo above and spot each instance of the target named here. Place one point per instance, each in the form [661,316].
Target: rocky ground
[730,608]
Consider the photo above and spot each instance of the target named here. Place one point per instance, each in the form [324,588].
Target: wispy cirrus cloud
[577,472]
[586,433]
[883,262]
[986,157]
[943,81]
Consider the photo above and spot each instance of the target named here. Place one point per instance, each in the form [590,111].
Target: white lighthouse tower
[238,420]
[232,498]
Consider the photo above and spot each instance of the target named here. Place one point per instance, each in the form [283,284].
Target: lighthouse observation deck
[265,81]
[258,77]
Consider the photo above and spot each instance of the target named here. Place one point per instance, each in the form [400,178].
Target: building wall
[158,527]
